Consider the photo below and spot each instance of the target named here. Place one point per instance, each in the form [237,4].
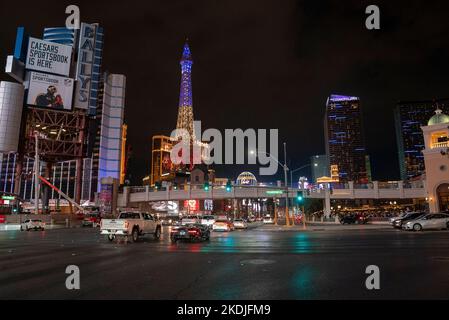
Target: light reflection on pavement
[259,263]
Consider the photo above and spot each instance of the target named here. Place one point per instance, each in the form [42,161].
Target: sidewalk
[338,223]
[16,227]
[323,226]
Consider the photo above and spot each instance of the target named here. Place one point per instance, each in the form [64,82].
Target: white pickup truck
[131,225]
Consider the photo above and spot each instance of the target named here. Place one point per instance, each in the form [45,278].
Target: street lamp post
[287,215]
[36,174]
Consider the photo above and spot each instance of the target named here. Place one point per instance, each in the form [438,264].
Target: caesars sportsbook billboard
[46,90]
[48,57]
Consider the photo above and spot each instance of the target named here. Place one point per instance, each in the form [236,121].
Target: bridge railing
[373,190]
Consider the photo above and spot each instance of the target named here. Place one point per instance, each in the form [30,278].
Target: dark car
[353,219]
[402,219]
[191,232]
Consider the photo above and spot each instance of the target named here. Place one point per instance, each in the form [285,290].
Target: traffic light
[299,196]
[206,186]
[228,186]
[175,186]
[158,185]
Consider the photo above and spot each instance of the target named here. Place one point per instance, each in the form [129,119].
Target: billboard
[45,90]
[48,57]
[192,205]
[166,164]
[106,197]
[84,67]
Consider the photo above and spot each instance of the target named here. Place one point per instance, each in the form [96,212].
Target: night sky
[261,64]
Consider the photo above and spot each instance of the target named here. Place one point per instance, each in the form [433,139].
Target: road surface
[261,263]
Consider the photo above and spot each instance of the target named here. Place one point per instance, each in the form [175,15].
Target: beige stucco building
[436,158]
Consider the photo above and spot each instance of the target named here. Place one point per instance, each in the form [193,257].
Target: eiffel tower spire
[185,111]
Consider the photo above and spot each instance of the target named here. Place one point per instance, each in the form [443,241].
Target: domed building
[246,179]
[436,159]
[438,118]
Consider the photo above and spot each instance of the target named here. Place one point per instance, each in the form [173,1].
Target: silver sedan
[428,221]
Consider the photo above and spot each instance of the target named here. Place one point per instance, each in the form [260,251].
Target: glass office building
[409,116]
[344,138]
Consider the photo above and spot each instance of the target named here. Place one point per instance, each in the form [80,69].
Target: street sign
[275,192]
[8,198]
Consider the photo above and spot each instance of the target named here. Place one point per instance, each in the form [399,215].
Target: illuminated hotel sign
[84,66]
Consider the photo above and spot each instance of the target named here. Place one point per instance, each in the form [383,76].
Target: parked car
[32,224]
[240,224]
[91,220]
[353,219]
[131,225]
[208,220]
[223,225]
[192,232]
[251,219]
[192,219]
[268,220]
[397,222]
[428,221]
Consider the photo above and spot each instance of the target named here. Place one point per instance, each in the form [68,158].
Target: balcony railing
[444,144]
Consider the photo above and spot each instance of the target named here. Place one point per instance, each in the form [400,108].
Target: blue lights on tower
[185,97]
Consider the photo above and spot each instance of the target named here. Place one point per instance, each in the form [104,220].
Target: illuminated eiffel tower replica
[162,168]
[185,112]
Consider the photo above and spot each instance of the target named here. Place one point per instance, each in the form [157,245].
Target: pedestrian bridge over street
[375,190]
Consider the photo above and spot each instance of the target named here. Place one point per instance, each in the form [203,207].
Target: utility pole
[36,174]
[275,211]
[287,213]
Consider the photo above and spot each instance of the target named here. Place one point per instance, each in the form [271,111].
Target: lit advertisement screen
[192,205]
[166,164]
[50,91]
